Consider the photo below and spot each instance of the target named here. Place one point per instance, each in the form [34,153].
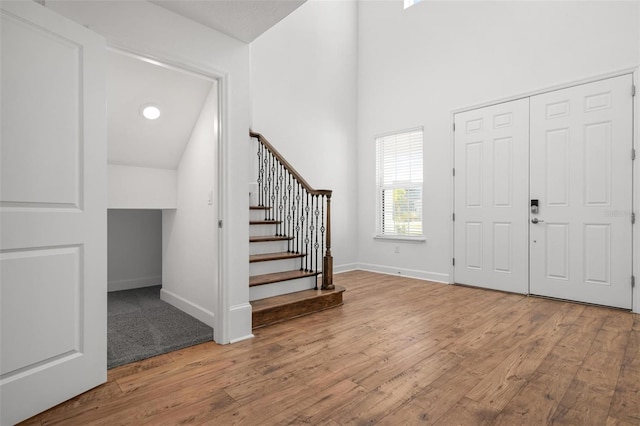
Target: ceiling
[132,83]
[132,139]
[244,20]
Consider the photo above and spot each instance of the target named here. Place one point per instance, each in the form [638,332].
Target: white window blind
[399,184]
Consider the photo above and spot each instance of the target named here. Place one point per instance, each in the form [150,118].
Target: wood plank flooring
[398,352]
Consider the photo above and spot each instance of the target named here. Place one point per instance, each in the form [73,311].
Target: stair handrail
[288,166]
[327,260]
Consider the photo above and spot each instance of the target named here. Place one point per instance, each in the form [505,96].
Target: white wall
[134,249]
[145,28]
[141,187]
[303,93]
[190,233]
[418,65]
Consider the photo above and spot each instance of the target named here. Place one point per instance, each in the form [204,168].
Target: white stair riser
[262,230]
[268,247]
[283,287]
[257,215]
[260,268]
[263,215]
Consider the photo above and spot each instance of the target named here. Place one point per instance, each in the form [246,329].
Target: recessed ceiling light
[150,112]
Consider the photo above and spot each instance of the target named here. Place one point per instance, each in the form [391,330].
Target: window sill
[417,240]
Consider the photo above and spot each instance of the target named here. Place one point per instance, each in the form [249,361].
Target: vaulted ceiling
[133,83]
[136,141]
[242,19]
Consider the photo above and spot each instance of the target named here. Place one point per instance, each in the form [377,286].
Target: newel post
[327,264]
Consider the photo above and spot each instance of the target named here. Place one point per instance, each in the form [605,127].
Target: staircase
[290,242]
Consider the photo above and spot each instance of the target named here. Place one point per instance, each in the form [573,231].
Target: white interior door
[52,209]
[491,189]
[581,173]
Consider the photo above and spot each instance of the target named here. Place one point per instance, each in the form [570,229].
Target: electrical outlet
[397,249]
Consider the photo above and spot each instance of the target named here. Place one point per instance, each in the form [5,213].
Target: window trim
[377,234]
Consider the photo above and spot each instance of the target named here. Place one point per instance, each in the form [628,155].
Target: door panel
[491,189]
[581,173]
[52,211]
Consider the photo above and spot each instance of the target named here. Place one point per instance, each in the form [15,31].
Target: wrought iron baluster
[259,154]
[273,187]
[280,199]
[322,228]
[289,228]
[300,231]
[316,245]
[311,231]
[306,235]
[276,204]
[299,209]
[265,173]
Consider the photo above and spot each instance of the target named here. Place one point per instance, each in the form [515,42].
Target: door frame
[221,317]
[635,193]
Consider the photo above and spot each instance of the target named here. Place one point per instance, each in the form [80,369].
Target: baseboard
[345,268]
[190,308]
[240,323]
[118,285]
[411,273]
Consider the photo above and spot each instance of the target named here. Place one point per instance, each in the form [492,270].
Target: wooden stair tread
[278,277]
[287,306]
[265,222]
[269,238]
[259,208]
[273,256]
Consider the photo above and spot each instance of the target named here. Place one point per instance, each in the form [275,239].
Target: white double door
[568,152]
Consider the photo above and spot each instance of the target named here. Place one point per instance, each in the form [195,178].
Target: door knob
[536,220]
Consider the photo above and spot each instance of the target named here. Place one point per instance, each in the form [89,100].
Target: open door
[53,291]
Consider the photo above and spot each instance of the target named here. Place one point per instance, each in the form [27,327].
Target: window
[399,184]
[409,3]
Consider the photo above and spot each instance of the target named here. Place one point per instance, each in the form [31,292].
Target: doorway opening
[163,207]
[139,323]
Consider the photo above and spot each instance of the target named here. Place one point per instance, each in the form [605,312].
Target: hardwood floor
[398,352]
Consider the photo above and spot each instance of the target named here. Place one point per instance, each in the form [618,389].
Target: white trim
[347,267]
[452,201]
[190,308]
[411,273]
[240,339]
[635,246]
[164,59]
[398,132]
[130,284]
[223,317]
[238,316]
[220,322]
[547,89]
[181,68]
[400,238]
[381,186]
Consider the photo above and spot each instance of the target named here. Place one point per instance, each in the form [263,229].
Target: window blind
[399,176]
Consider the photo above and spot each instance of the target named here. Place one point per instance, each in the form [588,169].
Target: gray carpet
[140,326]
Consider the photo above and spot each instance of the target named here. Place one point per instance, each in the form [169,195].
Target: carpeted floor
[140,326]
